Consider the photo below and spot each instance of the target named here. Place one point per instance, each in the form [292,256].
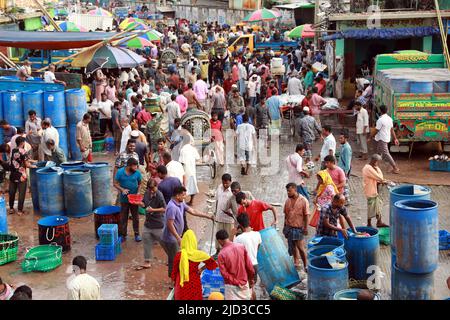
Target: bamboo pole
[7,61]
[443,36]
[45,12]
[97,45]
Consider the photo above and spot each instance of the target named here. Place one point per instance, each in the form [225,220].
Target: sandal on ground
[11,211]
[20,213]
[142,267]
[382,225]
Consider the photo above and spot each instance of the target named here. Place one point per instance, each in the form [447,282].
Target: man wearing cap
[144,159]
[83,136]
[307,128]
[339,78]
[24,72]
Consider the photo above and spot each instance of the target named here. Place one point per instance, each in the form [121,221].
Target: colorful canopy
[262,15]
[116,58]
[130,22]
[52,40]
[100,12]
[303,31]
[137,43]
[152,35]
[69,27]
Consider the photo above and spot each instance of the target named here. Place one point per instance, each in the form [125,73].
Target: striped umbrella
[262,15]
[303,31]
[100,12]
[131,22]
[68,26]
[115,57]
[152,35]
[137,43]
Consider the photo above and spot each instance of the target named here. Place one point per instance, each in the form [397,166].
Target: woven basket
[9,245]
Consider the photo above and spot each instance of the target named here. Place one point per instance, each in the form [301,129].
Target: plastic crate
[439,165]
[118,246]
[105,252]
[212,281]
[108,233]
[98,146]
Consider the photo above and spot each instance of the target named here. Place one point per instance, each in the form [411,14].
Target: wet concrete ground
[119,280]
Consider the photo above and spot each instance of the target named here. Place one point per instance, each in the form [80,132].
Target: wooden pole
[443,36]
[97,45]
[45,12]
[7,61]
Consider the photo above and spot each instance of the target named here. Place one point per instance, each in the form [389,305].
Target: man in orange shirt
[254,210]
[372,176]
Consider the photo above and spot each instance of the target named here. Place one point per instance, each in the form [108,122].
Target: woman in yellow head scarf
[326,189]
[185,270]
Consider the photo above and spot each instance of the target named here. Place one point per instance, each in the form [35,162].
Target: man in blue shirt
[127,181]
[345,161]
[273,106]
[175,222]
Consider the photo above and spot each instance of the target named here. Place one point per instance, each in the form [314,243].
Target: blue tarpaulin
[387,33]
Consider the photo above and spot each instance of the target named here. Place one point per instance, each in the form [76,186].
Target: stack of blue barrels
[416,257]
[76,107]
[55,110]
[74,189]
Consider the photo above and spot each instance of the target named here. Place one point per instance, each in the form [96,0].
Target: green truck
[415,86]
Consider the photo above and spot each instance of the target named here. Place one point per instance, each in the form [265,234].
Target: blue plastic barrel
[33,100]
[74,150]
[63,140]
[55,229]
[77,192]
[76,105]
[101,183]
[362,252]
[352,294]
[317,251]
[323,241]
[55,107]
[109,144]
[423,86]
[51,191]
[13,108]
[411,286]
[417,235]
[3,216]
[400,85]
[1,107]
[106,215]
[439,86]
[275,266]
[34,183]
[72,165]
[323,280]
[404,192]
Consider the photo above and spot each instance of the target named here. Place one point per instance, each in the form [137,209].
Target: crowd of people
[156,155]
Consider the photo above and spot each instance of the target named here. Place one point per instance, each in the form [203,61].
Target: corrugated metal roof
[303,5]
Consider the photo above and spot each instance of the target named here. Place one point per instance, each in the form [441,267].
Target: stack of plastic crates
[444,240]
[212,281]
[110,243]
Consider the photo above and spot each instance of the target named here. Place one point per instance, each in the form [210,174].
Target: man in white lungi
[188,157]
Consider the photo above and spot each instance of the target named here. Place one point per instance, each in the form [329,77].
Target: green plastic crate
[385,236]
[9,245]
[98,146]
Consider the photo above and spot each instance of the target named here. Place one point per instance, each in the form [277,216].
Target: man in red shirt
[254,210]
[227,84]
[336,173]
[305,101]
[236,268]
